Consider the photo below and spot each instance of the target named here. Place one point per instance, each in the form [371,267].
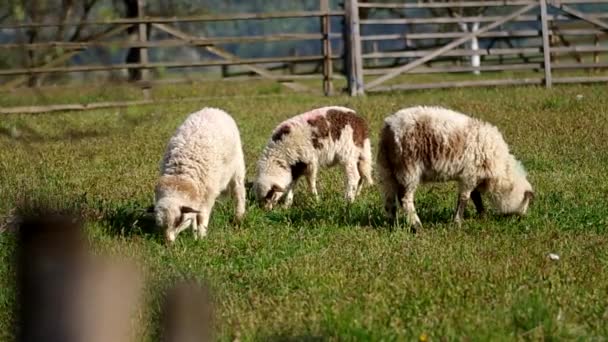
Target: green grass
[324,270]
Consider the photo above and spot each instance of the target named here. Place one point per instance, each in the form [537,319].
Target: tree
[50,11]
[132,9]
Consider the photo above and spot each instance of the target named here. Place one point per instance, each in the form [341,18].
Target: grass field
[327,271]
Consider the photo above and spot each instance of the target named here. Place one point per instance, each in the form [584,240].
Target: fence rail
[381,41]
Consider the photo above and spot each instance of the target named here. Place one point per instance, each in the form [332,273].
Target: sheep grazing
[426,144]
[203,158]
[300,145]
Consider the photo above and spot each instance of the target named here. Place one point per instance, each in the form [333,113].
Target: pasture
[326,271]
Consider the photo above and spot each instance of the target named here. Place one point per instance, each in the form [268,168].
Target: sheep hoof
[416,227]
[238,220]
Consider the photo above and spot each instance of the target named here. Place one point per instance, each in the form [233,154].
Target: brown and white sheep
[428,144]
[204,157]
[302,144]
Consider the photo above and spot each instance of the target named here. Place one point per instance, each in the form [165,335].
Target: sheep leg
[464,194]
[195,221]
[365,168]
[200,218]
[359,187]
[389,186]
[365,164]
[311,178]
[352,180]
[204,219]
[391,195]
[476,197]
[288,199]
[238,189]
[407,202]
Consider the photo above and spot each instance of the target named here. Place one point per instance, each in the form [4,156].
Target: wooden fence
[181,38]
[387,46]
[539,34]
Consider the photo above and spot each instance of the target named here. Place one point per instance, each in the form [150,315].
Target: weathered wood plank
[327,62]
[118,104]
[170,42]
[459,4]
[457,84]
[449,35]
[580,65]
[479,19]
[546,46]
[70,107]
[143,51]
[491,34]
[354,62]
[182,19]
[587,17]
[450,4]
[581,79]
[454,52]
[580,48]
[455,69]
[45,70]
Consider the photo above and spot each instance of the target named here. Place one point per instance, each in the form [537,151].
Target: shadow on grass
[24,133]
[301,338]
[128,220]
[119,219]
[334,213]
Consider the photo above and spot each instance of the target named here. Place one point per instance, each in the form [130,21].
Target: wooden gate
[539,29]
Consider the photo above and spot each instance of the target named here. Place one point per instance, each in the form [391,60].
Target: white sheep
[204,157]
[302,144]
[427,144]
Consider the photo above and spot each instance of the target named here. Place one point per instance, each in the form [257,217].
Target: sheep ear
[277,188]
[187,210]
[529,195]
[149,213]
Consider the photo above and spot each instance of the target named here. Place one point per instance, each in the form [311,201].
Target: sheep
[434,144]
[322,137]
[203,159]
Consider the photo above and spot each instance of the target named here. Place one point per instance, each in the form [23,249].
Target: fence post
[327,61]
[143,51]
[354,61]
[546,45]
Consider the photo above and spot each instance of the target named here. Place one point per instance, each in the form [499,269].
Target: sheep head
[513,194]
[272,182]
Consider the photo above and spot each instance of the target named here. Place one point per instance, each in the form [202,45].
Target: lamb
[203,159]
[427,144]
[322,137]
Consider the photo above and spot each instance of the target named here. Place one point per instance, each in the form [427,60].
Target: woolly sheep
[302,144]
[426,144]
[203,158]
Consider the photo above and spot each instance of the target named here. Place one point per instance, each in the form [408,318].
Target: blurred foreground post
[353,64]
[143,51]
[66,294]
[187,314]
[327,61]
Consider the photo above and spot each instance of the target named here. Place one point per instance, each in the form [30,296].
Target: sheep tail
[365,163]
